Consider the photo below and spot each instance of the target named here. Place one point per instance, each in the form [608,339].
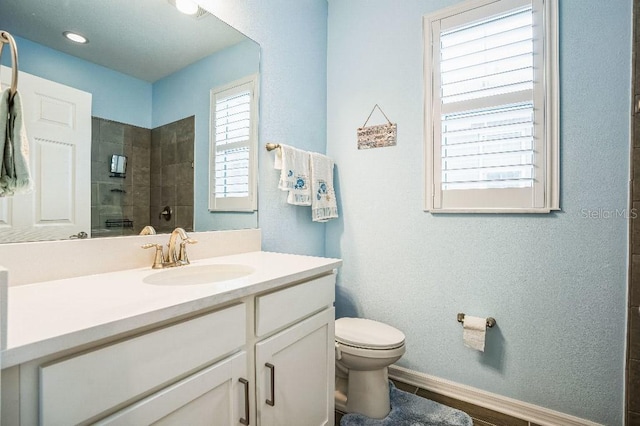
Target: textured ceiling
[147,39]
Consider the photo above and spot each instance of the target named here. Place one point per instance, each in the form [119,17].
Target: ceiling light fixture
[75,37]
[188,7]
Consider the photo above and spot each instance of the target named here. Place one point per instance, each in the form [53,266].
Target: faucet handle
[182,256]
[158,259]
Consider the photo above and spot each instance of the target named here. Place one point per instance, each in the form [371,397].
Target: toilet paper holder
[490,320]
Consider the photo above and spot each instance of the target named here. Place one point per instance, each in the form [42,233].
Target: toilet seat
[367,334]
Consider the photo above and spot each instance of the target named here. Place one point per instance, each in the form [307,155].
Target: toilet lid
[368,334]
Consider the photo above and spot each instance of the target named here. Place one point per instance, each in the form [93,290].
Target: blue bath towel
[411,410]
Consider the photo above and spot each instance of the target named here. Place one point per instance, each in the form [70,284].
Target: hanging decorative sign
[379,135]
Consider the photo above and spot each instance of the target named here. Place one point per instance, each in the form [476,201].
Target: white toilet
[364,350]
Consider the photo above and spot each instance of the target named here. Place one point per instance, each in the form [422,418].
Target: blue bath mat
[411,410]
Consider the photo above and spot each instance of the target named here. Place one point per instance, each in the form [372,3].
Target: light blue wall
[187,93]
[555,283]
[293,110]
[116,96]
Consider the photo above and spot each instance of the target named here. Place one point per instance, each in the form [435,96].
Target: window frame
[250,202]
[545,96]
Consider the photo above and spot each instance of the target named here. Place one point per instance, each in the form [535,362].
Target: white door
[295,373]
[58,124]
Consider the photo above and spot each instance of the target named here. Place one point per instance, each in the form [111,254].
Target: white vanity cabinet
[264,358]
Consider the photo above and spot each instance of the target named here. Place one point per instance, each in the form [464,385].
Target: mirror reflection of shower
[152,169]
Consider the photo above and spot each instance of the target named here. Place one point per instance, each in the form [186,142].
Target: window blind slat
[494,184]
[490,117]
[487,68]
[449,154]
[481,162]
[483,84]
[228,157]
[494,41]
[490,174]
[230,113]
[227,135]
[231,164]
[241,116]
[489,146]
[488,27]
[488,134]
[484,56]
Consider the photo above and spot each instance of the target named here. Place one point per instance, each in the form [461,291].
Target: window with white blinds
[233,146]
[491,107]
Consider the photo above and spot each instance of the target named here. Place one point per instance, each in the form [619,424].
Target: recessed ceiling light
[188,7]
[75,37]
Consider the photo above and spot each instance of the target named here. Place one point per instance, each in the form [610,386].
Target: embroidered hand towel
[15,176]
[294,175]
[323,197]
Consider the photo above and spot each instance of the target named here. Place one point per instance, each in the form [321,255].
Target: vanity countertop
[49,317]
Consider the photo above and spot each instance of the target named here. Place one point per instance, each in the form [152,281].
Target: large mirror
[150,70]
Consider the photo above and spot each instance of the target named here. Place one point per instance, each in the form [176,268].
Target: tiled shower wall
[159,173]
[114,198]
[633,344]
[172,175]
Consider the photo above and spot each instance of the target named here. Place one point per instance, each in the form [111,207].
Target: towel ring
[5,37]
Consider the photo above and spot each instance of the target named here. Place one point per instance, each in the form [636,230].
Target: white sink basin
[198,274]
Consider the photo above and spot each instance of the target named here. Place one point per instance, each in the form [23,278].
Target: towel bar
[272,146]
[5,37]
[490,320]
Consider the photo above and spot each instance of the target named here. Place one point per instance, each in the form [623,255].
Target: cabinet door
[295,374]
[217,395]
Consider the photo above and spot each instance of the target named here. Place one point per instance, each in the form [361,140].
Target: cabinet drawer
[79,388]
[283,307]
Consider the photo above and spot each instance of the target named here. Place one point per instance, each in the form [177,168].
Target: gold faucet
[172,257]
[148,230]
[158,259]
[178,258]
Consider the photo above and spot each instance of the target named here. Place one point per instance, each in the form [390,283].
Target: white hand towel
[294,175]
[323,201]
[15,176]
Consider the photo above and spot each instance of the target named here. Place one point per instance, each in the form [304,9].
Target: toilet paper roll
[474,332]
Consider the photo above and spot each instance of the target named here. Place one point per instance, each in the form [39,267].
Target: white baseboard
[491,401]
